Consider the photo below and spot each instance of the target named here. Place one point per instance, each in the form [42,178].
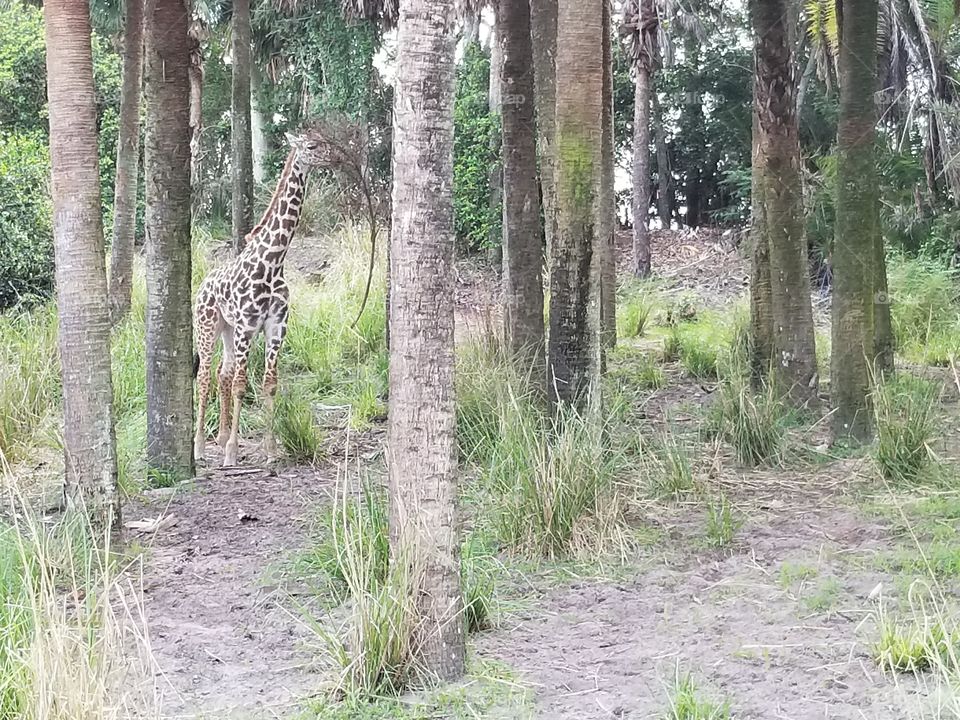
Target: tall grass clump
[296,428]
[924,297]
[72,637]
[29,377]
[905,410]
[557,478]
[484,382]
[753,420]
[668,468]
[634,311]
[701,345]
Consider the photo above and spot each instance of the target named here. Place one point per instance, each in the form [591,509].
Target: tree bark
[761,310]
[90,460]
[495,176]
[856,226]
[664,199]
[641,174]
[240,133]
[882,324]
[128,155]
[422,455]
[543,31]
[258,139]
[196,100]
[574,339]
[794,361]
[167,170]
[522,248]
[606,222]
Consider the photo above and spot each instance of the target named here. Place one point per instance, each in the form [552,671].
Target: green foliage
[924,294]
[476,149]
[722,522]
[296,428]
[914,647]
[23,91]
[668,469]
[906,420]
[26,220]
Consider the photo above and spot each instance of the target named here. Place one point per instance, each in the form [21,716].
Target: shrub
[924,295]
[26,224]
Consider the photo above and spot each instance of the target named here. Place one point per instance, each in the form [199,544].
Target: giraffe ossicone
[247,295]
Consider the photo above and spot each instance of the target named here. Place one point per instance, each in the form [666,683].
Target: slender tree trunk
[422,455]
[128,156]
[522,248]
[761,310]
[167,171]
[196,101]
[240,136]
[854,249]
[664,199]
[90,459]
[882,325]
[574,341]
[258,140]
[777,161]
[606,222]
[543,30]
[641,173]
[495,177]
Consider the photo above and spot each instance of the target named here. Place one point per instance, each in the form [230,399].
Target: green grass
[905,411]
[723,522]
[668,469]
[687,702]
[924,295]
[634,310]
[296,428]
[914,647]
[824,596]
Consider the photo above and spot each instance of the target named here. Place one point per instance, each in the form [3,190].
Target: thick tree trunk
[606,222]
[574,341]
[543,30]
[90,459]
[258,139]
[495,175]
[167,171]
[854,249]
[422,455]
[641,173]
[777,163]
[128,155]
[664,199]
[522,248]
[240,136]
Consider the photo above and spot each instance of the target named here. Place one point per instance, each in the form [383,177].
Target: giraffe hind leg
[225,380]
[207,331]
[275,329]
[241,349]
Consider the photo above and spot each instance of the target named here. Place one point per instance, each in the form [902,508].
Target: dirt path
[748,629]
[225,635]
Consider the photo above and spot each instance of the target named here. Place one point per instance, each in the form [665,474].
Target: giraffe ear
[291,140]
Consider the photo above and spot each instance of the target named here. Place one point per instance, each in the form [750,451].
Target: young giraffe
[249,294]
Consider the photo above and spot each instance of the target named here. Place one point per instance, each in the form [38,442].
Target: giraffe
[239,299]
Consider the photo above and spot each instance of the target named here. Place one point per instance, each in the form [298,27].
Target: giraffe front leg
[274,331]
[241,352]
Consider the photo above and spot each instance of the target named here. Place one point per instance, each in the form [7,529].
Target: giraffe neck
[270,239]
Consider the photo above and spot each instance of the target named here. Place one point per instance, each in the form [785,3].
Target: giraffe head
[312,149]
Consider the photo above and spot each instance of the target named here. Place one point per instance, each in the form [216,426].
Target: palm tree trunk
[422,461]
[856,226]
[606,222]
[258,139]
[780,200]
[574,339]
[664,200]
[495,173]
[128,155]
[543,31]
[196,100]
[761,310]
[167,171]
[522,249]
[240,134]
[90,459]
[641,173]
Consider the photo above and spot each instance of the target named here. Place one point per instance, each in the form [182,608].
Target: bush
[905,412]
[26,220]
[474,152]
[924,295]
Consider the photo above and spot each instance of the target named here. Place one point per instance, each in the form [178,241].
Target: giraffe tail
[196,364]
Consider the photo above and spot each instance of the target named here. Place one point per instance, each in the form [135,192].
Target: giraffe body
[240,299]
